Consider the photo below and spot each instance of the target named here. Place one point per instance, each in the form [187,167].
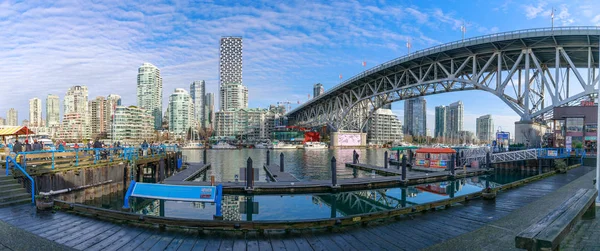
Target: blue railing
[550,153]
[10,159]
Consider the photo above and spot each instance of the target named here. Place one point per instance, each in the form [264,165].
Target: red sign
[587,103]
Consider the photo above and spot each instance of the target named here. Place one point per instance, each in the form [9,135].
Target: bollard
[404,168]
[249,173]
[281,162]
[268,157]
[212,180]
[398,158]
[410,156]
[452,158]
[385,160]
[488,160]
[354,157]
[204,156]
[333,172]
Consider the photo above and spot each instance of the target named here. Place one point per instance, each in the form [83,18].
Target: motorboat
[262,145]
[282,145]
[315,145]
[223,145]
[193,146]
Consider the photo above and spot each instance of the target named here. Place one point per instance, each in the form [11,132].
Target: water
[303,164]
[319,206]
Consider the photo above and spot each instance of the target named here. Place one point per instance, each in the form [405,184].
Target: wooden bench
[549,231]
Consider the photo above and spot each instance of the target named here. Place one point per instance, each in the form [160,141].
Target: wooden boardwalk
[192,170]
[274,173]
[409,233]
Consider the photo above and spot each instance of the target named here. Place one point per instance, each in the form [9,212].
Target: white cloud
[532,11]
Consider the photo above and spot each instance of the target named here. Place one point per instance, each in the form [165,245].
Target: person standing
[144,148]
[18,147]
[28,147]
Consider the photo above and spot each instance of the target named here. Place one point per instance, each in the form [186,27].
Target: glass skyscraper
[149,92]
[415,116]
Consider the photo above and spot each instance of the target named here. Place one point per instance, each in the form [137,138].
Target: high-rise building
[112,102]
[247,123]
[209,108]
[97,115]
[52,111]
[132,125]
[440,121]
[12,117]
[415,116]
[233,94]
[2,121]
[25,122]
[149,92]
[454,119]
[197,92]
[35,112]
[181,112]
[485,128]
[75,124]
[384,127]
[318,90]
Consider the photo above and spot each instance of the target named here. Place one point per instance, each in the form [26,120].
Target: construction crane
[288,103]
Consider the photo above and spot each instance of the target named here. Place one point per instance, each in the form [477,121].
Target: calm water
[317,206]
[303,164]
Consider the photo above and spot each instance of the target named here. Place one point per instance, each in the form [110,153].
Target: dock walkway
[275,174]
[192,170]
[408,233]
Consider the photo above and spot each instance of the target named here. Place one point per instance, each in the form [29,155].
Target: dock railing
[18,167]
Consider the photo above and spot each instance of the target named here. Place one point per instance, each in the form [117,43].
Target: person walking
[18,147]
[28,147]
[144,148]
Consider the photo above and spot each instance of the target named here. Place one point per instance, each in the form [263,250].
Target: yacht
[262,145]
[282,145]
[223,145]
[315,145]
[193,146]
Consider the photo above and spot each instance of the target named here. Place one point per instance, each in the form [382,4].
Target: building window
[574,124]
[591,128]
[559,124]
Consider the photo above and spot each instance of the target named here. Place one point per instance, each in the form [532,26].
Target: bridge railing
[442,47]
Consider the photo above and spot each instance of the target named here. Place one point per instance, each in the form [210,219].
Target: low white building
[132,125]
[384,127]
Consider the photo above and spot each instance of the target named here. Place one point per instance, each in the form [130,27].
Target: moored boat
[315,145]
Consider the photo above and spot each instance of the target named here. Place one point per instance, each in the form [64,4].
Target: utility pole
[463,30]
[552,16]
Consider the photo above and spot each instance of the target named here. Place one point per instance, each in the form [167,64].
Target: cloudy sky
[288,45]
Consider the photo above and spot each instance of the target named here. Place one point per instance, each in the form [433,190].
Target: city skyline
[278,61]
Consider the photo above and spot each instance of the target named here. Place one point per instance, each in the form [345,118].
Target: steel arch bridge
[532,71]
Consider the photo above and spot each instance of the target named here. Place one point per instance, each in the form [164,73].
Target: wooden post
[403,167]
[281,162]
[452,159]
[398,158]
[354,157]
[410,157]
[488,160]
[385,160]
[212,180]
[204,156]
[249,173]
[268,157]
[333,172]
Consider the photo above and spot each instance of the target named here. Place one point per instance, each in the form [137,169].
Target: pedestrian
[145,148]
[357,158]
[61,146]
[36,145]
[28,147]
[18,147]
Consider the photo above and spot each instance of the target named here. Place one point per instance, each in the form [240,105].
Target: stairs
[12,193]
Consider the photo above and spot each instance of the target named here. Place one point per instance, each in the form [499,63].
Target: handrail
[423,52]
[10,159]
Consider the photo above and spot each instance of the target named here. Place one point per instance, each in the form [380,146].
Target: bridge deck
[273,171]
[192,170]
[408,233]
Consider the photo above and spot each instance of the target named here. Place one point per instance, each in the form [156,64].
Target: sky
[288,46]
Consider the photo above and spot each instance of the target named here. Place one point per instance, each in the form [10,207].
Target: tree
[205,134]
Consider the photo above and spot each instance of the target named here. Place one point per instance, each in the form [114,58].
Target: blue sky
[288,45]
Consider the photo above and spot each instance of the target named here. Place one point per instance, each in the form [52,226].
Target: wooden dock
[407,233]
[275,174]
[188,174]
[420,174]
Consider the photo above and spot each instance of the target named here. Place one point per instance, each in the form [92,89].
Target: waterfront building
[112,101]
[454,119]
[209,108]
[247,124]
[98,119]
[384,127]
[197,93]
[35,112]
[415,116]
[440,121]
[132,125]
[2,121]
[149,92]
[12,117]
[75,124]
[574,124]
[318,90]
[233,94]
[485,128]
[181,114]
[25,122]
[52,111]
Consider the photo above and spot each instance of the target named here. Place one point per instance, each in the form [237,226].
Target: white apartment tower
[197,93]
[181,110]
[485,128]
[35,112]
[76,121]
[12,117]
[233,94]
[149,92]
[52,111]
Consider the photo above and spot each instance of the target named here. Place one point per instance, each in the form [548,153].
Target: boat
[282,145]
[193,146]
[315,145]
[262,145]
[223,145]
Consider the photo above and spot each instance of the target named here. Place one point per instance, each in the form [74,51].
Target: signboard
[174,192]
[552,153]
[502,135]
[349,139]
[587,103]
[593,138]
[568,141]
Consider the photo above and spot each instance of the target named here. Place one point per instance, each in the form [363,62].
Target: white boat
[193,146]
[223,145]
[315,145]
[262,145]
[281,145]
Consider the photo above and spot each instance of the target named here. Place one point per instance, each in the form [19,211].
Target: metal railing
[442,47]
[22,170]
